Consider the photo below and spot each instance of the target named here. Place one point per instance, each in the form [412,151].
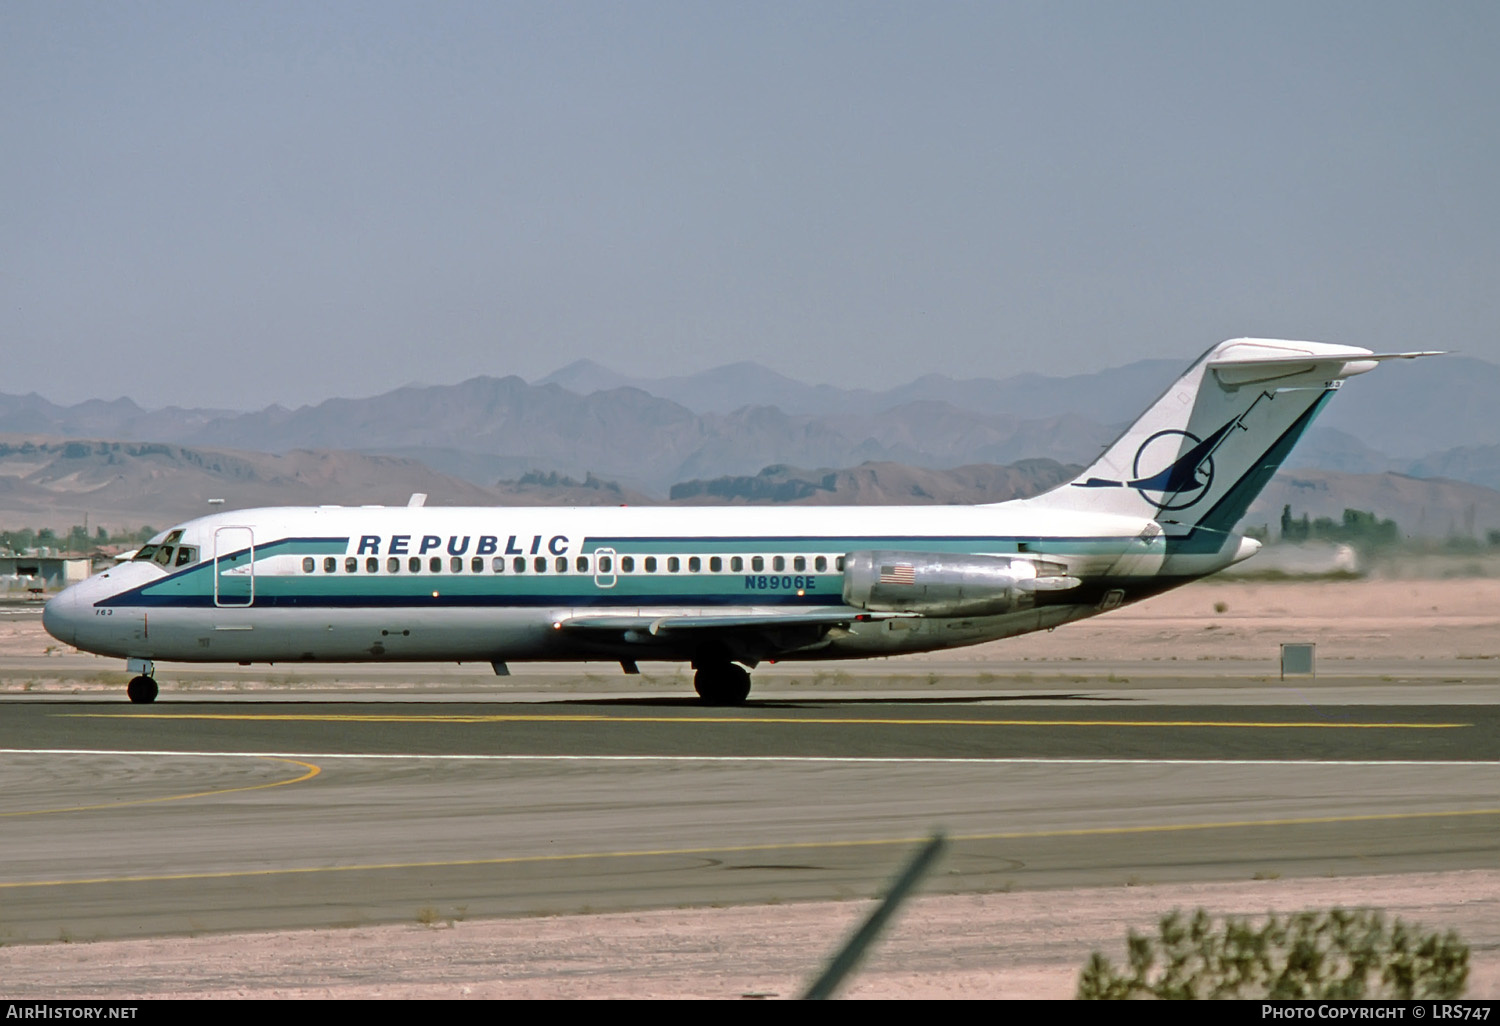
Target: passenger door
[234,566]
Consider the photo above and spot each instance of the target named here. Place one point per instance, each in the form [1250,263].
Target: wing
[748,634]
[749,619]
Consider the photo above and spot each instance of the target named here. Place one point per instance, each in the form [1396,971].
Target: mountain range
[1427,418]
[661,436]
[123,485]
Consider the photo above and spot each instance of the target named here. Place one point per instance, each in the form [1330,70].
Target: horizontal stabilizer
[1253,362]
[1357,354]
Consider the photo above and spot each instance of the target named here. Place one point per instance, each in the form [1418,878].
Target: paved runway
[185,816]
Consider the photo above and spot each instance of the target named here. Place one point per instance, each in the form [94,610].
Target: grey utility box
[1297,660]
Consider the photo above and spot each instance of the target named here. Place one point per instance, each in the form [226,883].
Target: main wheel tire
[722,684]
[141,690]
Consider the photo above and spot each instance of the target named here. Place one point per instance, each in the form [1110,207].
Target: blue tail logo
[1181,480]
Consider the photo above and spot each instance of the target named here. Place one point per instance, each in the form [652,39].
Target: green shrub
[1329,955]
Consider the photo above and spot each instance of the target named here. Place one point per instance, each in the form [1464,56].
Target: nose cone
[60,616]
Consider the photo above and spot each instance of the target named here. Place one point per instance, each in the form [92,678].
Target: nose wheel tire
[722,684]
[141,690]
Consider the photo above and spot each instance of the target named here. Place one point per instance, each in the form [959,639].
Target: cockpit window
[146,552]
[187,554]
[173,538]
[164,555]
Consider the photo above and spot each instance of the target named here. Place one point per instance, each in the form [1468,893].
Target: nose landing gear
[142,688]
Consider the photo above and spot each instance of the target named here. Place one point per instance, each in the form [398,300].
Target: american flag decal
[900,573]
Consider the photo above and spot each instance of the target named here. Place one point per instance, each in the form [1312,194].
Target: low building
[35,575]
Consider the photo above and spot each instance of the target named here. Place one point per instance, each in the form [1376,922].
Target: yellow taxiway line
[312,771]
[754,720]
[747,848]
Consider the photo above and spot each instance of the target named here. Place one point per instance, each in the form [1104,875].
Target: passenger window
[650,564]
[778,563]
[456,564]
[561,564]
[414,564]
[372,565]
[694,564]
[820,564]
[840,564]
[498,564]
[351,565]
[582,563]
[715,563]
[393,565]
[187,554]
[330,564]
[736,564]
[519,565]
[435,564]
[799,563]
[627,564]
[477,564]
[308,565]
[605,564]
[541,564]
[757,563]
[673,565]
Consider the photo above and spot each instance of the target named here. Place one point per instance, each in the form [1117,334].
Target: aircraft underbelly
[283,635]
[263,634]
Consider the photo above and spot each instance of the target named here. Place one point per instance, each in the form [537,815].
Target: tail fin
[1203,451]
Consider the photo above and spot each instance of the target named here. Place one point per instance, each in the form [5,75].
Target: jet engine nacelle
[937,584]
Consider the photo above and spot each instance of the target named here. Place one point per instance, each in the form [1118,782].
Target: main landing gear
[721,683]
[142,688]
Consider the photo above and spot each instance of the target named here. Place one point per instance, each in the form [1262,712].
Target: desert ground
[1409,633]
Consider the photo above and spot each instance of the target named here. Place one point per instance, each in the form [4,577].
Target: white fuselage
[344,584]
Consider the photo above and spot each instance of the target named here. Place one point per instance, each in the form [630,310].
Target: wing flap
[657,625]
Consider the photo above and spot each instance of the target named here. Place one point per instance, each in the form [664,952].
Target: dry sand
[1020,945]
[1012,945]
[1219,626]
[1224,620]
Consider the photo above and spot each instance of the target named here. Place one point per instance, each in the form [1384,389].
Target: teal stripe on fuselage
[194,586]
[806,545]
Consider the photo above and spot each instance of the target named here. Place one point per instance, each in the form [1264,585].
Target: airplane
[722,589]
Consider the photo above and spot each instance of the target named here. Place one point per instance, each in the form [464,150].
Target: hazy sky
[233,204]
